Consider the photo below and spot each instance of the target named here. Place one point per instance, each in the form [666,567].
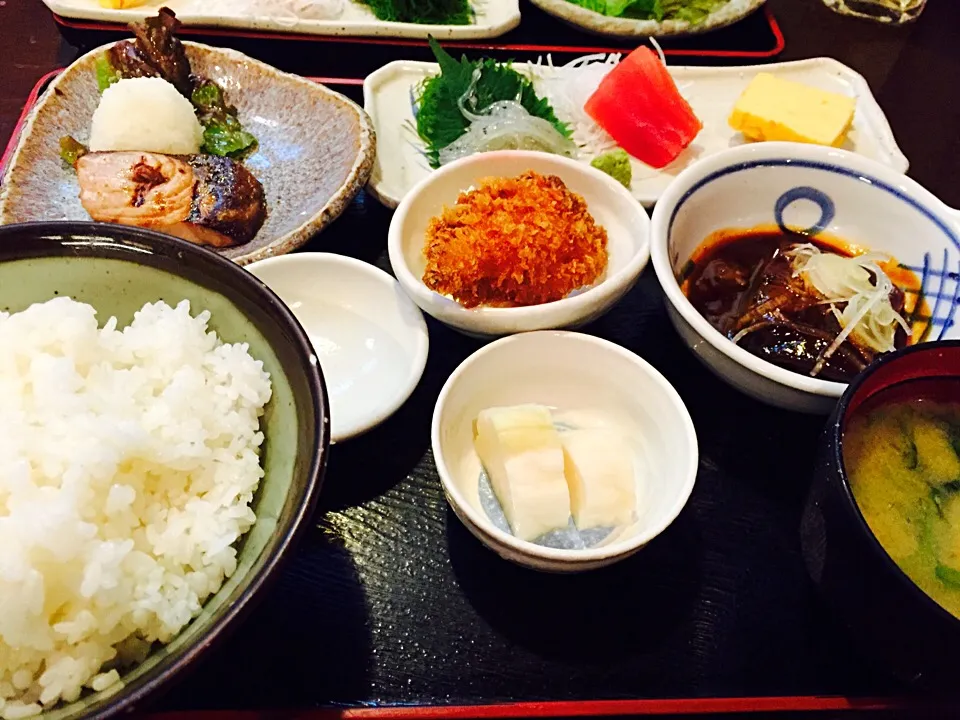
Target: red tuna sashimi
[639,105]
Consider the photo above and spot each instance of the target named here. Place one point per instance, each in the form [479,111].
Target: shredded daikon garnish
[656,46]
[568,87]
[861,286]
[503,125]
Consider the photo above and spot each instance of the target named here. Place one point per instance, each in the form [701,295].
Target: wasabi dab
[616,164]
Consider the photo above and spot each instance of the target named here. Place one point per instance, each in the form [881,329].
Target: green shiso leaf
[438,116]
[422,12]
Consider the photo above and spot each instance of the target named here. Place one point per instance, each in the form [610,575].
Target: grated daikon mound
[145,114]
[128,462]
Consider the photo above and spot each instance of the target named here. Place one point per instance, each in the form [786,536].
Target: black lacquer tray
[390,600]
[391,608]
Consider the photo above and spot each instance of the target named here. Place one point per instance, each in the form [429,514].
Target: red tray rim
[780,41]
[576,708]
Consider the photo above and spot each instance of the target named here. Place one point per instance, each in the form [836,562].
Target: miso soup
[901,451]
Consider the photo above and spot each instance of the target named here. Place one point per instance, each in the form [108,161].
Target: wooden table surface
[914,72]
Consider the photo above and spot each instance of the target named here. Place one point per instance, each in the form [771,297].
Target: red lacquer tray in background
[704,45]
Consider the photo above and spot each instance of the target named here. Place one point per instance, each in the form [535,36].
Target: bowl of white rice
[163,434]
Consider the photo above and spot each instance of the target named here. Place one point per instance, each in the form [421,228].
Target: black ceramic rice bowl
[117,270]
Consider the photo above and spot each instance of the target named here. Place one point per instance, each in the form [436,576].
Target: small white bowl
[371,341]
[573,372]
[808,188]
[610,204]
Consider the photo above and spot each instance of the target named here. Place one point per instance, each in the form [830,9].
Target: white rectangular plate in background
[493,18]
[388,98]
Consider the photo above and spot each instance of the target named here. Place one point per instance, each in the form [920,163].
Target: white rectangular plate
[493,18]
[388,99]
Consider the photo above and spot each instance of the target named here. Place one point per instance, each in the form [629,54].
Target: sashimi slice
[639,104]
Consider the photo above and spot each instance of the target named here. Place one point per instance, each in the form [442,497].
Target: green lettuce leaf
[222,132]
[636,9]
[692,11]
[599,6]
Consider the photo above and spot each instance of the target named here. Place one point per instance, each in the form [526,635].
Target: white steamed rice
[128,461]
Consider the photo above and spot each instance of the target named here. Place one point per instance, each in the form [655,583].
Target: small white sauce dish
[569,372]
[808,189]
[370,340]
[610,204]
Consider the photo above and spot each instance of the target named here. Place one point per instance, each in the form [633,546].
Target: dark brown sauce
[146,177]
[743,283]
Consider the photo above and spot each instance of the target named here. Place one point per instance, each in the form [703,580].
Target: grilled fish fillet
[203,199]
[227,197]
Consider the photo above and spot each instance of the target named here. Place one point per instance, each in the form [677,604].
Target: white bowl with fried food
[607,201]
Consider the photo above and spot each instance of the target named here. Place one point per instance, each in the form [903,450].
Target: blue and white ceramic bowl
[810,189]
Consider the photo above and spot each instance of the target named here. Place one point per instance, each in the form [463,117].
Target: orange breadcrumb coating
[514,241]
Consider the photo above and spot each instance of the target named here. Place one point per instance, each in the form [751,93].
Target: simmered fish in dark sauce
[803,305]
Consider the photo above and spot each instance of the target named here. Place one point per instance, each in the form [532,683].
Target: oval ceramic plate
[591,21]
[492,19]
[388,96]
[316,148]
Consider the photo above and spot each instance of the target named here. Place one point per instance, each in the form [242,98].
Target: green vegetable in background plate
[691,11]
[616,164]
[423,12]
[439,118]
